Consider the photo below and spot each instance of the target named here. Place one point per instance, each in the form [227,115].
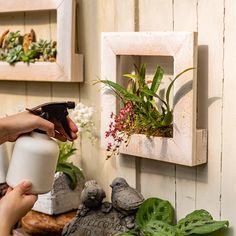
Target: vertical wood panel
[155,15]
[53,25]
[185,177]
[229,118]
[157,178]
[124,21]
[124,15]
[94,17]
[211,27]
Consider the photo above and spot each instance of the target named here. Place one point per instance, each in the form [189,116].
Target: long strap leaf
[157,79]
[149,92]
[122,91]
[172,83]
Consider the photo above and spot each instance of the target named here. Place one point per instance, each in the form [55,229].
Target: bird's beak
[92,197]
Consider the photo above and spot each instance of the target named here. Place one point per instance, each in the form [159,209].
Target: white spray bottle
[35,155]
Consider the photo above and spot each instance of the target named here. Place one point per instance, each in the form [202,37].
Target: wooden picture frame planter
[69,64]
[188,144]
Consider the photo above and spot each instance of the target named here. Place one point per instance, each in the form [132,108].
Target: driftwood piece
[3,36]
[28,39]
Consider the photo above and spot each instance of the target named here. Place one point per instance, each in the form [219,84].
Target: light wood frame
[188,145]
[69,64]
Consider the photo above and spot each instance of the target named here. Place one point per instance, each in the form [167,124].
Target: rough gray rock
[97,218]
[96,223]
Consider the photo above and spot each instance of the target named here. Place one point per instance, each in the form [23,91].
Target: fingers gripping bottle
[35,155]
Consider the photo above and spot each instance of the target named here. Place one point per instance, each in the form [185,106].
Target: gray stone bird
[92,195]
[124,198]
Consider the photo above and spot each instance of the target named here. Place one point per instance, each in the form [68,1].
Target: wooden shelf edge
[142,146]
[39,71]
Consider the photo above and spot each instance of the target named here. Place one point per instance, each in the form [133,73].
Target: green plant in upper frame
[15,47]
[66,150]
[13,39]
[14,54]
[143,111]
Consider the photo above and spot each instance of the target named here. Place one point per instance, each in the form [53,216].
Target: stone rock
[96,223]
[105,218]
[41,224]
[61,198]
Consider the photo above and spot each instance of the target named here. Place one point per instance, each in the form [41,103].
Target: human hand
[14,205]
[12,127]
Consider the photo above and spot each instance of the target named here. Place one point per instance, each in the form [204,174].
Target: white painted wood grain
[229,117]
[210,101]
[39,22]
[157,16]
[91,15]
[28,5]
[124,21]
[124,15]
[185,177]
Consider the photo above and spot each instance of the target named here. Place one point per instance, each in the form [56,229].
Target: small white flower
[82,115]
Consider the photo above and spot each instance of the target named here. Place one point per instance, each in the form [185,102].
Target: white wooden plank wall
[211,186]
[157,178]
[185,176]
[228,192]
[205,186]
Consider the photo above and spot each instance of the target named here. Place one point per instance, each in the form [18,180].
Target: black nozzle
[55,111]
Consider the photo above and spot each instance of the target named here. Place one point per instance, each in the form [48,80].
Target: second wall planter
[69,64]
[188,144]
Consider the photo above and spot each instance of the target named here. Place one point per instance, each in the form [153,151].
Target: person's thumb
[23,187]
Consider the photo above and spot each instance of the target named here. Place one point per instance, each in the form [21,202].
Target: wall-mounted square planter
[69,64]
[188,144]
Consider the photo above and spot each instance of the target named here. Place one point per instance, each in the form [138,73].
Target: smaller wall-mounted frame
[188,146]
[69,64]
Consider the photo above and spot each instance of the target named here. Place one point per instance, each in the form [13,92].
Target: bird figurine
[92,194]
[125,199]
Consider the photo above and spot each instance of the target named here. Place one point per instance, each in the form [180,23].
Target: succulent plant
[14,54]
[14,47]
[12,40]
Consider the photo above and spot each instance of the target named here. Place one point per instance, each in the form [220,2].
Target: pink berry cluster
[117,128]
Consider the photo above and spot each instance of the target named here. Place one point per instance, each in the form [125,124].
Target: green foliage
[68,168]
[199,222]
[152,115]
[13,39]
[155,217]
[155,209]
[14,54]
[12,50]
